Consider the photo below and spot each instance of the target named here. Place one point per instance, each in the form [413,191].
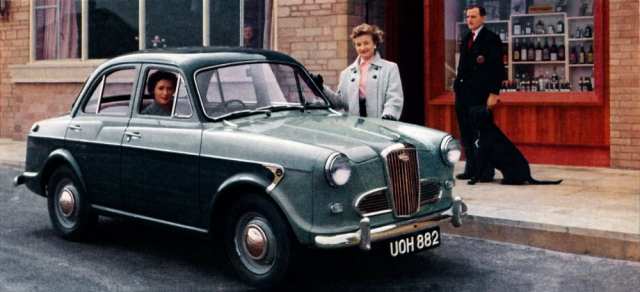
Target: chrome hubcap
[66,202]
[255,241]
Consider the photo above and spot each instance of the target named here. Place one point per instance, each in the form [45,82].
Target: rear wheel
[259,243]
[68,205]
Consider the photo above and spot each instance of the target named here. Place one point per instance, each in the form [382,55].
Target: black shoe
[464,176]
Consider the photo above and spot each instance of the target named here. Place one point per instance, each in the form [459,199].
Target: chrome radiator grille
[404,180]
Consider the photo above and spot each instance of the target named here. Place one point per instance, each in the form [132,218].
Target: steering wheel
[225,103]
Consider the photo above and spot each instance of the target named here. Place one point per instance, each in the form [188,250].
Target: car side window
[112,94]
[165,94]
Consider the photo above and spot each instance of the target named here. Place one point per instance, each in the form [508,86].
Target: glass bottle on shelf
[538,51]
[531,52]
[503,35]
[523,51]
[578,33]
[573,56]
[553,55]
[590,55]
[505,54]
[539,27]
[582,56]
[517,28]
[527,29]
[546,51]
[516,52]
[588,32]
[560,27]
[561,52]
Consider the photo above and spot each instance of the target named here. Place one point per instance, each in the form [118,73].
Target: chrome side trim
[145,218]
[278,173]
[364,236]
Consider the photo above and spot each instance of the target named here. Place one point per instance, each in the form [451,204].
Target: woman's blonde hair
[373,30]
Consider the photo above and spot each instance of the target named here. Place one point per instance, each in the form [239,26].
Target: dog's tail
[543,182]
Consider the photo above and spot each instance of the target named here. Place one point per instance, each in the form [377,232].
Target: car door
[94,136]
[160,158]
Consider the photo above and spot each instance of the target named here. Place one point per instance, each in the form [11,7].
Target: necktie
[473,34]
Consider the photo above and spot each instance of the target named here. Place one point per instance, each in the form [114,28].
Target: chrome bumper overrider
[365,235]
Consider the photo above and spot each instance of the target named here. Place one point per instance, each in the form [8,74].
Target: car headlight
[450,150]
[337,169]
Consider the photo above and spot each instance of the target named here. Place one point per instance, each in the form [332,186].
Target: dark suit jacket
[480,70]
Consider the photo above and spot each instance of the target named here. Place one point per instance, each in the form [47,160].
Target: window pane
[254,21]
[174,23]
[112,93]
[57,29]
[113,28]
[225,23]
[547,45]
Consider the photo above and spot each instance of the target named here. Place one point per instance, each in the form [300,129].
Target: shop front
[554,100]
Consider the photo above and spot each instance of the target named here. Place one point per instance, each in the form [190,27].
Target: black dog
[494,148]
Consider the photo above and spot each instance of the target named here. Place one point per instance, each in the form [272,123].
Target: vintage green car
[240,145]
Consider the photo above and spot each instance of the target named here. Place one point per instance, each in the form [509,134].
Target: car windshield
[243,89]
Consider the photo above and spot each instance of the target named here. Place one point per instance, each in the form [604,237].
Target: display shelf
[532,36]
[580,65]
[550,24]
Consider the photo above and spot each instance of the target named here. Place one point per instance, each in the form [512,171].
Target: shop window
[57,30]
[548,45]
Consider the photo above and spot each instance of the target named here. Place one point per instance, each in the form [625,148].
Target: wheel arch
[58,158]
[232,190]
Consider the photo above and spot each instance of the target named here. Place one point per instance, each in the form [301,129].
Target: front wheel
[259,243]
[68,206]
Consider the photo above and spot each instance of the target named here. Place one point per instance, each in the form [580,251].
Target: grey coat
[384,89]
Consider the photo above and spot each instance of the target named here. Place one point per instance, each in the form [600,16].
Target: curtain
[56,30]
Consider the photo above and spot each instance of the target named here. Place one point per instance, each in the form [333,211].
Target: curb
[599,243]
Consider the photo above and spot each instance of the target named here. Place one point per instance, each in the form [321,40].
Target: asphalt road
[122,256]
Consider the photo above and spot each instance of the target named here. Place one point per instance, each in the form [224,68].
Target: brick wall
[624,50]
[14,49]
[22,104]
[316,33]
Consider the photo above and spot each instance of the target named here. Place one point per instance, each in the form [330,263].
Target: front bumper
[365,235]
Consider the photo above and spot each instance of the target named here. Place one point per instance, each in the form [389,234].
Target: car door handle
[134,135]
[76,128]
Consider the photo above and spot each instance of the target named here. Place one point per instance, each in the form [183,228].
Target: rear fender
[54,160]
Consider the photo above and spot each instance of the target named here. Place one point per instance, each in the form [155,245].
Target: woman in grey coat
[370,87]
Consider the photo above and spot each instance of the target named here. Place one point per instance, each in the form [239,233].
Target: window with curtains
[57,29]
[113,26]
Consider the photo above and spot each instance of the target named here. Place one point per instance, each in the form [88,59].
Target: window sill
[70,71]
[533,98]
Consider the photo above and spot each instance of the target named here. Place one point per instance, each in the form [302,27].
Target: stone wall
[624,50]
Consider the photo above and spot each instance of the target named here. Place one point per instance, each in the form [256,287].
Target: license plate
[416,242]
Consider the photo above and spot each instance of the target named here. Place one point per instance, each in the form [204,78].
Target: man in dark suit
[480,74]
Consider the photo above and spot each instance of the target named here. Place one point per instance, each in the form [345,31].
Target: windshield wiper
[243,113]
[275,108]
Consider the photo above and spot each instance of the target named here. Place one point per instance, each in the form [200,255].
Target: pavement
[594,211]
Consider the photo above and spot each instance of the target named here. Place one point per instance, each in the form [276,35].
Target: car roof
[193,58]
